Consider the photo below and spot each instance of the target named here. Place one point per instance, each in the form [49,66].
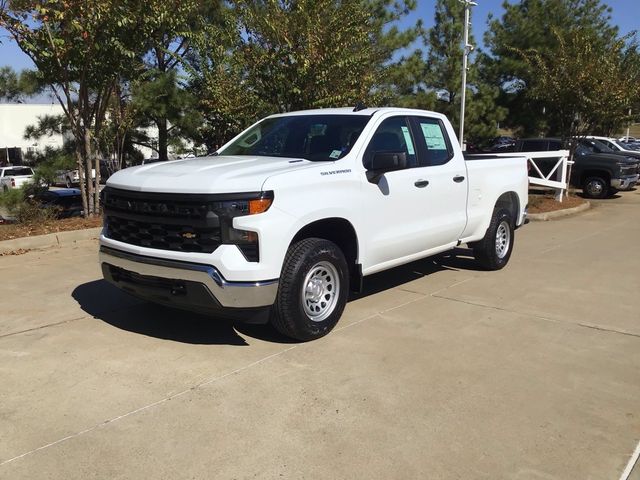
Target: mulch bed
[18,230]
[547,203]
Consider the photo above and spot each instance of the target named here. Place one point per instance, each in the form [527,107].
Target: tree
[590,86]
[158,94]
[444,70]
[15,87]
[529,24]
[80,48]
[308,53]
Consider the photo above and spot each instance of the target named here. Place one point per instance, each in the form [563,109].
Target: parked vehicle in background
[598,146]
[15,177]
[628,139]
[66,201]
[290,215]
[599,175]
[68,178]
[615,144]
[602,174]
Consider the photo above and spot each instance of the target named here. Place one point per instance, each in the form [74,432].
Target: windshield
[312,137]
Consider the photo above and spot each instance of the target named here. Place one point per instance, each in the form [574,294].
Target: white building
[14,119]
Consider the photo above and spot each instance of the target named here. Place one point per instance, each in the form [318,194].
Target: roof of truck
[350,111]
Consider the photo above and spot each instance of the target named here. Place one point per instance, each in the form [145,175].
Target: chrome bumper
[624,183]
[228,294]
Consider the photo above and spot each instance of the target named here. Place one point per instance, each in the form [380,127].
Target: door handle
[421,183]
[458,178]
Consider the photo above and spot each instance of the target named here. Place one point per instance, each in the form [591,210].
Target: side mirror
[383,162]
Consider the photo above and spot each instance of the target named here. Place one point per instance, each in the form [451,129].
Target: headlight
[246,241]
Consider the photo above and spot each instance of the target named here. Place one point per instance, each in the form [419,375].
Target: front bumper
[624,183]
[190,286]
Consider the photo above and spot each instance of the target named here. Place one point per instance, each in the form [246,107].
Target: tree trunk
[89,183]
[163,139]
[81,175]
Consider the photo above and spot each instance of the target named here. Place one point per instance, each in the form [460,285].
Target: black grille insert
[185,223]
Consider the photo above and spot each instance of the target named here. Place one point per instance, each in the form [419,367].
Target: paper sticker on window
[335,154]
[407,140]
[433,136]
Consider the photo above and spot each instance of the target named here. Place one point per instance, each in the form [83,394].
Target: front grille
[184,223]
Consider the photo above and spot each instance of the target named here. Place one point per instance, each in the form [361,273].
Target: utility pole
[628,125]
[465,58]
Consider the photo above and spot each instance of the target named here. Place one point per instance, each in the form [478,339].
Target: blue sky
[625,14]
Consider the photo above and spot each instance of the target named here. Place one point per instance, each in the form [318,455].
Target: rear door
[444,204]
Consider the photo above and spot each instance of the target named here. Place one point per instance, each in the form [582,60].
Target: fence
[547,169]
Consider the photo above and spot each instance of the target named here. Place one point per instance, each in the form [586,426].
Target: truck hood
[217,174]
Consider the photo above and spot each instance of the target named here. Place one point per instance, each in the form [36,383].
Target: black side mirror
[383,162]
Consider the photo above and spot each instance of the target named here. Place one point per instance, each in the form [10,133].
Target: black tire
[68,183]
[595,187]
[489,254]
[5,189]
[290,314]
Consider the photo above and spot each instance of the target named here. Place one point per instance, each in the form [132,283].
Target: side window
[437,146]
[392,136]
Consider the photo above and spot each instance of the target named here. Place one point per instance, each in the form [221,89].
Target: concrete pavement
[439,371]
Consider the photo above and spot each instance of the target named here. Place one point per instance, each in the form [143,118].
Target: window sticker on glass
[433,136]
[407,140]
[335,153]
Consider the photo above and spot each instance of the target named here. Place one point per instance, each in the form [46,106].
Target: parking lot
[438,371]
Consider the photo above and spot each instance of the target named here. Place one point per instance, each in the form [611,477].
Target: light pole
[629,124]
[465,57]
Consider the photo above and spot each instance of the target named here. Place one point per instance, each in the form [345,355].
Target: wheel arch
[341,232]
[510,202]
[594,173]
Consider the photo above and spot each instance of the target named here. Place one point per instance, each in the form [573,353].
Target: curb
[49,240]
[544,217]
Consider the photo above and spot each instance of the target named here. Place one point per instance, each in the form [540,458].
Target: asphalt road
[439,371]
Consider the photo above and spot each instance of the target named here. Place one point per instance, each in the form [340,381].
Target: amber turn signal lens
[259,205]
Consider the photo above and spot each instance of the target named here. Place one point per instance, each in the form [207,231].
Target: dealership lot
[438,371]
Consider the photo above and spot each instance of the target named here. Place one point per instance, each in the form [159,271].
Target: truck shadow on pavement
[108,304]
[456,259]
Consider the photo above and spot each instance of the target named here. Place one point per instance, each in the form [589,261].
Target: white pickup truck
[289,216]
[15,177]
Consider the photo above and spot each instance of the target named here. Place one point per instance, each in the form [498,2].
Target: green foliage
[12,199]
[16,87]
[588,84]
[443,71]
[309,53]
[529,25]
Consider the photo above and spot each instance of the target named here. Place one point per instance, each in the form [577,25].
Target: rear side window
[438,150]
[533,146]
[18,171]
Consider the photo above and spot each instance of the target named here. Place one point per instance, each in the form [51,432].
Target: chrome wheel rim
[595,187]
[320,291]
[503,239]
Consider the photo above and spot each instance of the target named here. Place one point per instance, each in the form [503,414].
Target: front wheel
[313,290]
[595,187]
[494,250]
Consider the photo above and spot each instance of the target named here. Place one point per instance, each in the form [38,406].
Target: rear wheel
[595,187]
[313,290]
[494,250]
